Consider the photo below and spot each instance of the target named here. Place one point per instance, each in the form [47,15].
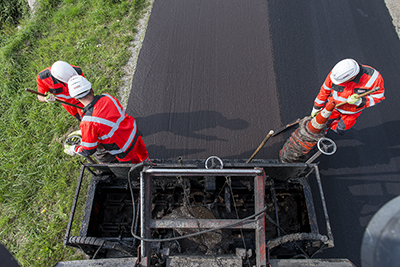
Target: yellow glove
[69,149]
[314,112]
[354,99]
[50,98]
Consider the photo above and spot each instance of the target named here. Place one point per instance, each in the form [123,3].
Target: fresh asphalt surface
[213,77]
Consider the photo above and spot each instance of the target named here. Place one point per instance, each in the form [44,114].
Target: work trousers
[340,123]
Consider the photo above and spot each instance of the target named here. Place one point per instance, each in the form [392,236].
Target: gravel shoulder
[394,10]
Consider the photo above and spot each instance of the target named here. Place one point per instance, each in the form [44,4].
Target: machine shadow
[188,123]
[379,144]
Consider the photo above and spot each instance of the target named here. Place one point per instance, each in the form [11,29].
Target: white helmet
[344,70]
[62,71]
[79,86]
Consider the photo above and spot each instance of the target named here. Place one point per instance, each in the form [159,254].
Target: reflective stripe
[327,88]
[339,98]
[115,152]
[371,101]
[319,101]
[378,95]
[133,133]
[127,144]
[89,145]
[316,125]
[99,120]
[114,127]
[63,96]
[121,110]
[347,112]
[372,79]
[326,113]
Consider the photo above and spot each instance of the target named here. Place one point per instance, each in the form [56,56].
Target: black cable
[273,222]
[133,168]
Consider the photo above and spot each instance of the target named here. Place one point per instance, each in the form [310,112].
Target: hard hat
[62,71]
[79,86]
[344,70]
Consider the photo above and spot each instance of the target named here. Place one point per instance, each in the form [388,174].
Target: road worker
[346,80]
[53,81]
[105,122]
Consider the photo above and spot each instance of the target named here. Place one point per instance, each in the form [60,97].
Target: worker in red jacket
[346,80]
[53,81]
[105,123]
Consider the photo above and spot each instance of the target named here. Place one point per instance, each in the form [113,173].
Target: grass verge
[37,180]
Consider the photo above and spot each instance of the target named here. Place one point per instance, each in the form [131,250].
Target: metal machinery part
[73,140]
[325,146]
[76,140]
[247,214]
[381,242]
[214,162]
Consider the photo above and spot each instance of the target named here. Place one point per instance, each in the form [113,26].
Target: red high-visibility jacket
[47,83]
[367,79]
[105,122]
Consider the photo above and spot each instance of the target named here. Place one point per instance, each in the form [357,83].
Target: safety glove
[50,98]
[315,111]
[354,99]
[69,149]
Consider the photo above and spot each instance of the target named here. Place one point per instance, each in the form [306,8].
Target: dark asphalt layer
[213,77]
[205,83]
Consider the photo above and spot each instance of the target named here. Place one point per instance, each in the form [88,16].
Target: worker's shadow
[367,146]
[188,124]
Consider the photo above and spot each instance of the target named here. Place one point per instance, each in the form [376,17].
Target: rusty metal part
[261,145]
[186,213]
[300,143]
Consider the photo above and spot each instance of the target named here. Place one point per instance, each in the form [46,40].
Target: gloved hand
[69,149]
[354,100]
[314,112]
[75,137]
[50,98]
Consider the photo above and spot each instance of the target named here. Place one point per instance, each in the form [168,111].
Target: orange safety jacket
[367,79]
[47,83]
[105,122]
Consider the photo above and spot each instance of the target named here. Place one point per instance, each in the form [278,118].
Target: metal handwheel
[76,140]
[325,146]
[214,162]
[73,140]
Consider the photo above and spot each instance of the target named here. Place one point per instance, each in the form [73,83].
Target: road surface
[213,77]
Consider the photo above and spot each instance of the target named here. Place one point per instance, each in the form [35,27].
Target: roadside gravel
[394,10]
[130,67]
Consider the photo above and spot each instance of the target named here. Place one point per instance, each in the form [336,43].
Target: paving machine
[210,212]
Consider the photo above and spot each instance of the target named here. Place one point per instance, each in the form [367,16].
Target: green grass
[37,180]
